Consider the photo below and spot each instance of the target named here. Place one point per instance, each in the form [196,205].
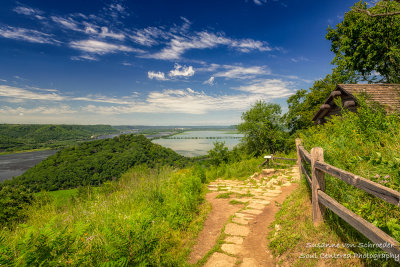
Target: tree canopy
[262,128]
[367,41]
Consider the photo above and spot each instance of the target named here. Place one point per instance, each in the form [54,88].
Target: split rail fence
[320,200]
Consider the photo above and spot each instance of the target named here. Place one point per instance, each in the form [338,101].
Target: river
[16,164]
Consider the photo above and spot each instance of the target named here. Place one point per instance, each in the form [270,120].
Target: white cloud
[20,93]
[99,47]
[105,32]
[67,23]
[260,2]
[148,36]
[27,35]
[15,93]
[247,45]
[239,72]
[156,75]
[210,81]
[179,44]
[183,71]
[85,57]
[63,109]
[270,88]
[299,59]
[126,64]
[189,101]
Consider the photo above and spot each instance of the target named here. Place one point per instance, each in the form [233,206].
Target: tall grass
[367,144]
[143,219]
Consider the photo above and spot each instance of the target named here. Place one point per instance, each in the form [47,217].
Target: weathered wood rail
[320,200]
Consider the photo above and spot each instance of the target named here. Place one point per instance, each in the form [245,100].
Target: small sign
[267,157]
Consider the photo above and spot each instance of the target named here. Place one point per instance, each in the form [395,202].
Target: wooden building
[388,95]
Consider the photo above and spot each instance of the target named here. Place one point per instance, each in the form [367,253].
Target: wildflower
[377,176]
[387,176]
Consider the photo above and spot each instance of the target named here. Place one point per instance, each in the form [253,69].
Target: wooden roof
[388,95]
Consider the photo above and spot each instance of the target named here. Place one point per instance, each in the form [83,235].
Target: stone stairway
[257,193]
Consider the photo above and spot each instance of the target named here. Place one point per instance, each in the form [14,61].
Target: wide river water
[189,144]
[16,164]
[198,143]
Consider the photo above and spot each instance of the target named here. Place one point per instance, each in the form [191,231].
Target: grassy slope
[148,217]
[298,233]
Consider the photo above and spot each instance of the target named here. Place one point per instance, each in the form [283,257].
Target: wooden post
[318,183]
[298,143]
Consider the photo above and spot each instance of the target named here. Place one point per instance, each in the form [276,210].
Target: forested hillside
[92,163]
[15,137]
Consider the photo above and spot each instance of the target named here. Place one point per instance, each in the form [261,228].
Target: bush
[13,201]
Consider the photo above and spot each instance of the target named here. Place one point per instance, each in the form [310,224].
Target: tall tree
[367,41]
[262,128]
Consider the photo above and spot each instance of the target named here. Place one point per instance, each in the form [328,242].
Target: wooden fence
[320,200]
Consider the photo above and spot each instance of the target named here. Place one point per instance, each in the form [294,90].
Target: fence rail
[320,200]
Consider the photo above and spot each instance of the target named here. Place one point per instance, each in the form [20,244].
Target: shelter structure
[387,95]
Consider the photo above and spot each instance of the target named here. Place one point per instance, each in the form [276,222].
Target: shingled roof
[388,95]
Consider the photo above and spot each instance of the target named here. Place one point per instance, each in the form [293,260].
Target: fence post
[298,143]
[318,183]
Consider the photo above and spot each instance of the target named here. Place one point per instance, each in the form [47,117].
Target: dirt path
[245,235]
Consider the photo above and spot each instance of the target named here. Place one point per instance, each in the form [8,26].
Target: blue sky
[158,62]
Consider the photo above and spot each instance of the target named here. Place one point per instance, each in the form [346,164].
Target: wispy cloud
[299,59]
[157,75]
[68,23]
[259,2]
[210,81]
[240,72]
[23,34]
[270,88]
[24,94]
[101,48]
[85,57]
[20,93]
[28,11]
[44,110]
[179,44]
[183,71]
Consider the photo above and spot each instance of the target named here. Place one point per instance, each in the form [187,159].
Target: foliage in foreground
[94,162]
[294,237]
[367,144]
[146,218]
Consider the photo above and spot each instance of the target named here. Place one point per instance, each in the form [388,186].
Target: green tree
[262,129]
[368,40]
[219,154]
[304,104]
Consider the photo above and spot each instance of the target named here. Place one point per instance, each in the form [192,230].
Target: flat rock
[235,229]
[240,220]
[267,171]
[220,260]
[233,249]
[256,212]
[287,184]
[244,215]
[249,262]
[256,206]
[234,239]
[264,202]
[270,194]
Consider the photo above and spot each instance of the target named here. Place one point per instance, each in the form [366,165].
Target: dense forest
[17,137]
[94,162]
